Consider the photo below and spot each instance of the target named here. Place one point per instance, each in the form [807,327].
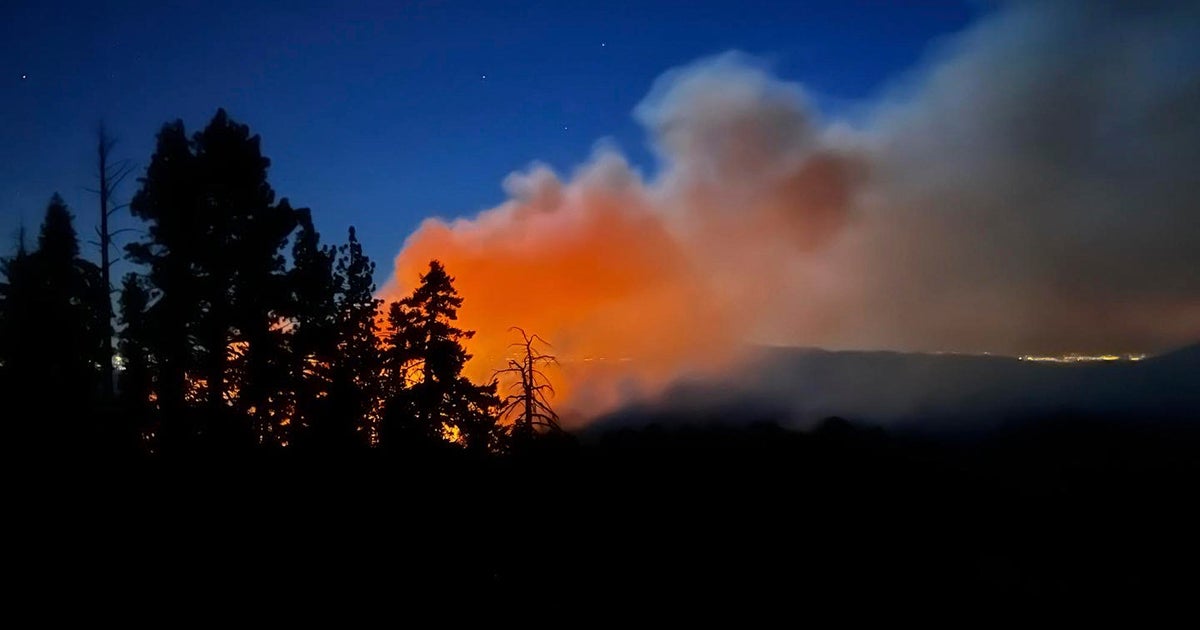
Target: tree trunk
[106,364]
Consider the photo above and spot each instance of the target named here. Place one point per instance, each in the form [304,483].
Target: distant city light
[1082,358]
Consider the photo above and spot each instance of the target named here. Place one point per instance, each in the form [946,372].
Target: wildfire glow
[925,224]
[591,270]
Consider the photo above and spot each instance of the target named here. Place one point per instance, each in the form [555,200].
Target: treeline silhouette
[241,329]
[278,436]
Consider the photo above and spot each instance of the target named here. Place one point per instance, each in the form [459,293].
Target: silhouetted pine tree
[134,381]
[248,284]
[72,303]
[425,358]
[53,331]
[313,340]
[476,410]
[217,271]
[355,375]
[169,200]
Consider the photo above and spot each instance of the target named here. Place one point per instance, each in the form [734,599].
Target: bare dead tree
[528,406]
[110,175]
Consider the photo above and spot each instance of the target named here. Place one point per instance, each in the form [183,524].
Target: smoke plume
[1031,188]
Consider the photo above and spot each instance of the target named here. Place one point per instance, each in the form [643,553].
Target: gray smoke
[1036,187]
[1032,187]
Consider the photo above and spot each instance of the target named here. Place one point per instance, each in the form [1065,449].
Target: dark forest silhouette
[263,384]
[226,342]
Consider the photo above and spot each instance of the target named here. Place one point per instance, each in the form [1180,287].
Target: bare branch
[528,405]
[119,177]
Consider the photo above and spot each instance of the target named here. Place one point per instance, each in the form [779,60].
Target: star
[24,76]
[602,44]
[483,77]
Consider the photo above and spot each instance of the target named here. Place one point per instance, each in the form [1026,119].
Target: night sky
[381,114]
[674,300]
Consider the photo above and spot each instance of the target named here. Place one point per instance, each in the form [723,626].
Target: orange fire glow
[590,269]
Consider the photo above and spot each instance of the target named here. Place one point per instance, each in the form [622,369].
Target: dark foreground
[1073,509]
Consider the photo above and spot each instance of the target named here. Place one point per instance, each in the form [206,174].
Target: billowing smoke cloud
[1035,188]
[1031,188]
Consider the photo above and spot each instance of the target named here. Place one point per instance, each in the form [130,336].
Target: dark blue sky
[379,114]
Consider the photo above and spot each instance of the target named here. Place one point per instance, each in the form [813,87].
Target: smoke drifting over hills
[1031,188]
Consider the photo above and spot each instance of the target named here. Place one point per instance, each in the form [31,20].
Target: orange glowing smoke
[591,268]
[948,218]
[636,283]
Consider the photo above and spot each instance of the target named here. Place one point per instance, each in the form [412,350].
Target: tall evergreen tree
[135,381]
[169,200]
[425,359]
[246,269]
[136,340]
[53,328]
[313,315]
[355,375]
[217,276]
[69,304]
